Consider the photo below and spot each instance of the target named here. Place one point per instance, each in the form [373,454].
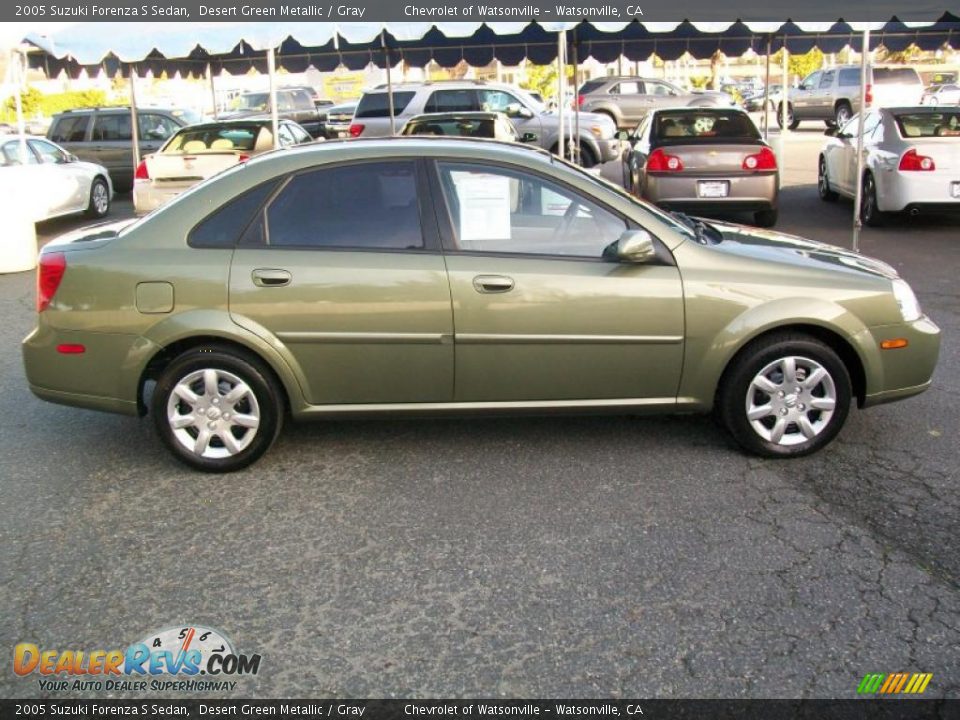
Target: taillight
[141,173]
[659,161]
[356,130]
[49,274]
[868,94]
[763,160]
[580,100]
[242,157]
[914,162]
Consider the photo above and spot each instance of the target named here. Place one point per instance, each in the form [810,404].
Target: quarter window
[223,228]
[368,205]
[498,210]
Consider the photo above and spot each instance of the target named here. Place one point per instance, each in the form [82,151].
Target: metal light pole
[274,115]
[858,198]
[766,95]
[134,118]
[386,64]
[561,86]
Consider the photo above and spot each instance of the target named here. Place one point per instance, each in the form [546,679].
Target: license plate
[713,189]
[955,189]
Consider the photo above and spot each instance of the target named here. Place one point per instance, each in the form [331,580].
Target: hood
[782,248]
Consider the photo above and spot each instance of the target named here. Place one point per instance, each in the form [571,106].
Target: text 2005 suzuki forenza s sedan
[457,276]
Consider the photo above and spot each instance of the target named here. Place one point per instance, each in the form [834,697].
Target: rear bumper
[898,191]
[147,197]
[746,192]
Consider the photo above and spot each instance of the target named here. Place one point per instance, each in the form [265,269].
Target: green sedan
[440,276]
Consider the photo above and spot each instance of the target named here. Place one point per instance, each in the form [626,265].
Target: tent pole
[858,199]
[134,117]
[766,95]
[386,64]
[784,102]
[576,104]
[561,77]
[274,114]
[213,92]
[17,75]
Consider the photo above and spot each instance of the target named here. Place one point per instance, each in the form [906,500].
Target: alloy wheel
[791,400]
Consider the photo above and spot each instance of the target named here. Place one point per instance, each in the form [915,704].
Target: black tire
[823,182]
[587,158]
[792,122]
[842,113]
[264,400]
[869,212]
[732,396]
[830,123]
[766,218]
[99,204]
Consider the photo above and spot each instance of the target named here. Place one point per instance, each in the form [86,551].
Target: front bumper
[609,149]
[906,371]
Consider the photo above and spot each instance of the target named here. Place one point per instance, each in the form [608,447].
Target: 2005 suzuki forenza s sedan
[455,276]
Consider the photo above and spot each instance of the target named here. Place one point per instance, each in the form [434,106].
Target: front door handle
[492,284]
[270,277]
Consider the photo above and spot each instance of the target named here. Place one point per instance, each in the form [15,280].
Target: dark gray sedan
[703,160]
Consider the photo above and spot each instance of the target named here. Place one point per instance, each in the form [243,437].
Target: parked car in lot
[336,120]
[703,160]
[941,95]
[293,103]
[496,126]
[432,276]
[626,99]
[197,152]
[103,136]
[49,182]
[754,101]
[912,162]
[598,142]
[833,95]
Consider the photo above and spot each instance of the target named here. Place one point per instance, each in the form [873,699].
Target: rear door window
[452,101]
[366,205]
[630,87]
[70,129]
[112,126]
[849,77]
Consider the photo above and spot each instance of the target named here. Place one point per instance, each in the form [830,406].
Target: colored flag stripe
[889,681]
[903,679]
[926,681]
[914,682]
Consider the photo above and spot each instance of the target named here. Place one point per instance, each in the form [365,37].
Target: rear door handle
[270,277]
[492,283]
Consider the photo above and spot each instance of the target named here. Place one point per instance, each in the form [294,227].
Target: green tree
[543,79]
[798,65]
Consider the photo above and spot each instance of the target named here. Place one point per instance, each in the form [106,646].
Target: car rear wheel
[216,409]
[843,114]
[790,121]
[766,218]
[823,182]
[587,158]
[99,204]
[785,395]
[869,212]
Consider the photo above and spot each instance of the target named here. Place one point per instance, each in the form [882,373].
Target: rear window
[704,125]
[374,105]
[214,139]
[929,124]
[591,85]
[896,76]
[459,127]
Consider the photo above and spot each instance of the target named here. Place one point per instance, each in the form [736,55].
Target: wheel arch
[168,341]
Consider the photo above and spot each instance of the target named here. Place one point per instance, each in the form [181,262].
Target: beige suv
[833,94]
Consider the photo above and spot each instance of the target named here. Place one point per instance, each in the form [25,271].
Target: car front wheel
[784,396]
[216,409]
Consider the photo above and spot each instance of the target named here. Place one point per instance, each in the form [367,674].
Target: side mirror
[635,246]
[517,110]
[70,158]
[529,137]
[830,131]
[623,135]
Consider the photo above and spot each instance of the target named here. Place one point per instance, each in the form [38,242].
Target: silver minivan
[833,94]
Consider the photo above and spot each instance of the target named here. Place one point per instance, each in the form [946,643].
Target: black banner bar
[863,709]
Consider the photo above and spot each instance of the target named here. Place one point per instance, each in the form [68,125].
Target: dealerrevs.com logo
[173,659]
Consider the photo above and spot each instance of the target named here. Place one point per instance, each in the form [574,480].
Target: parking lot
[556,557]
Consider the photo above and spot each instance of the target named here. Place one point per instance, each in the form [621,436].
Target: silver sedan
[911,162]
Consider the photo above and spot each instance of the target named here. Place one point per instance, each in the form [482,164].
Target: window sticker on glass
[484,206]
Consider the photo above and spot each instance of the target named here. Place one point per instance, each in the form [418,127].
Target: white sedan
[911,162]
[42,180]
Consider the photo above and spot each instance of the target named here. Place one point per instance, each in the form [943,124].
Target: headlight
[909,305]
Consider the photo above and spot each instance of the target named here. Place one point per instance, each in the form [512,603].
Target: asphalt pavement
[577,557]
